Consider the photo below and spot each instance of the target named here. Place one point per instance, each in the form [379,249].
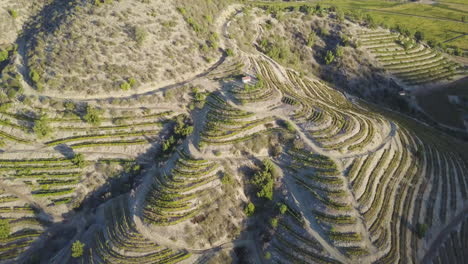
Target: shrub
[13,13]
[339,51]
[70,106]
[5,106]
[11,93]
[227,179]
[289,126]
[311,39]
[132,81]
[329,57]
[324,32]
[125,86]
[283,208]
[229,52]
[4,228]
[274,222]
[3,55]
[139,34]
[249,210]
[267,255]
[277,150]
[77,249]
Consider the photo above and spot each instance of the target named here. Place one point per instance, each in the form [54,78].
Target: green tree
[267,255]
[283,208]
[249,210]
[77,249]
[274,222]
[289,126]
[4,228]
[35,77]
[419,36]
[125,86]
[79,160]
[92,115]
[264,180]
[41,127]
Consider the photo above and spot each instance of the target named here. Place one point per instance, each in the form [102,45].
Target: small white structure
[246,79]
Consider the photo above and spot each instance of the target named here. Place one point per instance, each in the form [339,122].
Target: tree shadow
[65,150]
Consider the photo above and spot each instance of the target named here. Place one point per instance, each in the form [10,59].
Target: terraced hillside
[374,188]
[24,222]
[118,240]
[414,63]
[284,168]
